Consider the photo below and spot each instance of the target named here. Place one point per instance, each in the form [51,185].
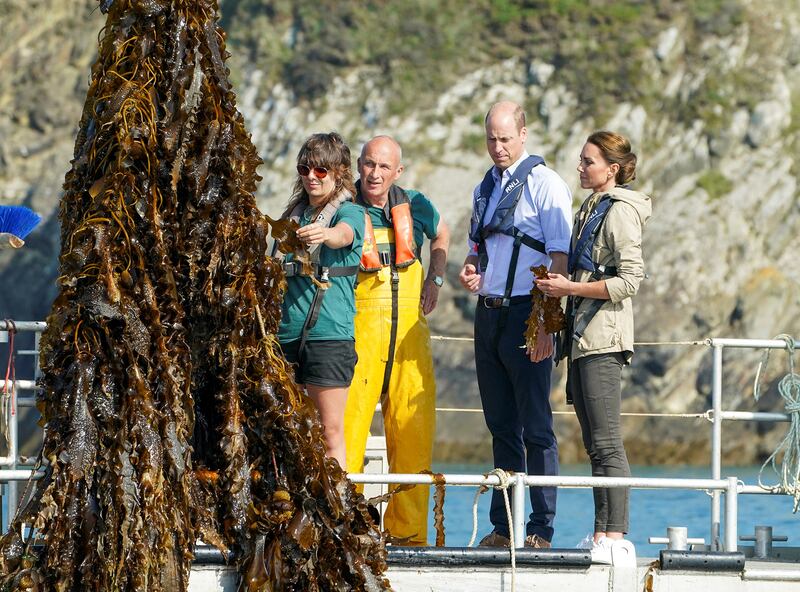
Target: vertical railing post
[731,515]
[37,336]
[13,453]
[518,509]
[716,443]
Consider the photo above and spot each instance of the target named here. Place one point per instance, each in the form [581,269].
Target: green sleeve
[425,213]
[353,216]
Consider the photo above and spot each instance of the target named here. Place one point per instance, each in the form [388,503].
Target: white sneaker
[601,551]
[587,542]
[623,553]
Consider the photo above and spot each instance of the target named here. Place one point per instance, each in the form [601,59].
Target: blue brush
[18,220]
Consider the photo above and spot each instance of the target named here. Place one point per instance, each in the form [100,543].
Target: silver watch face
[438,280]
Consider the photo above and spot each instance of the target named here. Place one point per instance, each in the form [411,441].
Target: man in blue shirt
[521,218]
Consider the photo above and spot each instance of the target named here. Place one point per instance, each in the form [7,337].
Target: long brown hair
[329,151]
[616,149]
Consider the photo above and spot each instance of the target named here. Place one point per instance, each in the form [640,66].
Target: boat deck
[567,570]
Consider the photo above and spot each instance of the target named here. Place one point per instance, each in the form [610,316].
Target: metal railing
[718,415]
[716,485]
[8,463]
[519,483]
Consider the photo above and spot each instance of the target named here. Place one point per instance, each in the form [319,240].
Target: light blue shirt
[544,212]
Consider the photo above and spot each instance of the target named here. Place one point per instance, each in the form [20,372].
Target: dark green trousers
[596,392]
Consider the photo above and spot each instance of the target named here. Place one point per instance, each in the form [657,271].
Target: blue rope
[788,468]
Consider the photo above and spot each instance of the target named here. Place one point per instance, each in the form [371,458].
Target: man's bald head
[384,142]
[379,167]
[505,108]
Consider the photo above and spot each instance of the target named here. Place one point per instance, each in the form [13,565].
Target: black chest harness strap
[502,222]
[387,372]
[323,274]
[580,257]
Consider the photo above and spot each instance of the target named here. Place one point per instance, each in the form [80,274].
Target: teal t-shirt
[338,305]
[423,212]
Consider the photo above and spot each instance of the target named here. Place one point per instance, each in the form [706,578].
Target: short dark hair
[518,114]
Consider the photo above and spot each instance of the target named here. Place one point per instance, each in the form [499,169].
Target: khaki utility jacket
[618,244]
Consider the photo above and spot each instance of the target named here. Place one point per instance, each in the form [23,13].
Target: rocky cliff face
[46,50]
[716,134]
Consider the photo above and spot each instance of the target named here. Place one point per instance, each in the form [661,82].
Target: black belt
[497,301]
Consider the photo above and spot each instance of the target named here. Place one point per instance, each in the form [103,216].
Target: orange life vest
[398,212]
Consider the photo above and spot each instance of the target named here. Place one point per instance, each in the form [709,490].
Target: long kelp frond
[169,412]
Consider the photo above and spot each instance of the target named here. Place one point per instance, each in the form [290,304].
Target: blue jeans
[515,394]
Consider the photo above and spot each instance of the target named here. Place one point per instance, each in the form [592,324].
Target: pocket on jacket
[602,331]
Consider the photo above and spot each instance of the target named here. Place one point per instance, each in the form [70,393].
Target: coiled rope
[505,482]
[788,388]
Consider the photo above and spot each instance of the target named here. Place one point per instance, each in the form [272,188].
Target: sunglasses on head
[319,172]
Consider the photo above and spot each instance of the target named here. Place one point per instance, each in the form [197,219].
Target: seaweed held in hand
[545,312]
[169,411]
[284,231]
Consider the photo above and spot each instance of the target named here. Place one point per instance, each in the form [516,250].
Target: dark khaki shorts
[322,363]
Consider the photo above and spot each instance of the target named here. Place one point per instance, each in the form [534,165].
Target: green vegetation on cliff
[715,184]
[600,49]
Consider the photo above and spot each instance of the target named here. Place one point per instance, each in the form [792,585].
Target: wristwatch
[438,280]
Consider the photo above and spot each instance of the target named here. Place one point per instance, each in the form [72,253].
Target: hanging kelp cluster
[545,311]
[169,415]
[284,231]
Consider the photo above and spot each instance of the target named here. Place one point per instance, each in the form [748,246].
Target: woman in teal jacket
[316,331]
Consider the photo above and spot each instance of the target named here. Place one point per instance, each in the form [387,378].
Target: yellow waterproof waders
[409,407]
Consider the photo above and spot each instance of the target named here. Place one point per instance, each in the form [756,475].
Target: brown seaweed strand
[438,508]
[438,503]
[545,311]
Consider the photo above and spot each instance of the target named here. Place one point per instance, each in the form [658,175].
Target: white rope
[447,338]
[639,343]
[789,389]
[704,415]
[505,481]
[478,493]
[679,342]
[762,365]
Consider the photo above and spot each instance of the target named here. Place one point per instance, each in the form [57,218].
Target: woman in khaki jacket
[606,268]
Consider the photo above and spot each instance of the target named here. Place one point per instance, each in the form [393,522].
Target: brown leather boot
[494,539]
[537,542]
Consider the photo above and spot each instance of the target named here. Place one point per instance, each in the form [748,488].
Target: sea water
[651,511]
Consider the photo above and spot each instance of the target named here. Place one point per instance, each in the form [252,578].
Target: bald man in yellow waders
[395,365]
